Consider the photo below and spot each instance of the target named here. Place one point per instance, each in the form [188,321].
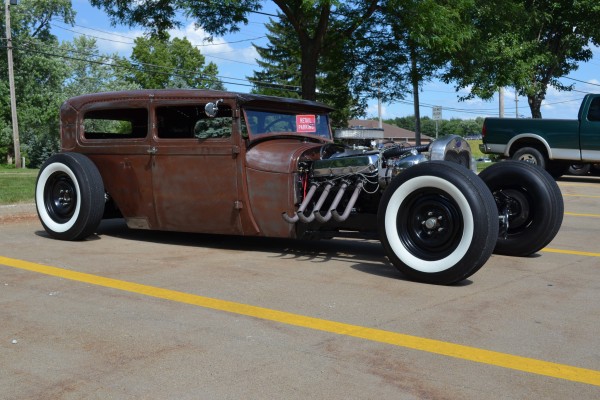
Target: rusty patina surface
[230,184]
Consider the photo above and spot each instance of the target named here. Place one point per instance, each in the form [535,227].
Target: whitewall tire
[438,222]
[69,196]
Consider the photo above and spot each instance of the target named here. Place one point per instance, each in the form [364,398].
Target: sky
[236,59]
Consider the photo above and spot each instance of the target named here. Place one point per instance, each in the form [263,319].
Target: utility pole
[11,83]
[516,104]
[380,125]
[501,103]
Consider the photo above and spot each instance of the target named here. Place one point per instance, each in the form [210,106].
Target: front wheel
[438,222]
[69,196]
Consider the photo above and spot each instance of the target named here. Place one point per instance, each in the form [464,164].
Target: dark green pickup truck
[553,144]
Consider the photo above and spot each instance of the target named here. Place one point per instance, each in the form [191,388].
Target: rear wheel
[530,155]
[530,200]
[438,222]
[69,196]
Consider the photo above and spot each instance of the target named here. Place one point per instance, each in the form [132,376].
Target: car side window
[594,111]
[123,123]
[188,122]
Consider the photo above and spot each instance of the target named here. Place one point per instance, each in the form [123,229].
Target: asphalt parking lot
[150,315]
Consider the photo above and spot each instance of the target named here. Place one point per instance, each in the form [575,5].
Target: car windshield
[260,122]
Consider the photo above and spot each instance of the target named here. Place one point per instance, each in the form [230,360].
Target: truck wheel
[530,155]
[579,169]
[438,222]
[69,196]
[531,199]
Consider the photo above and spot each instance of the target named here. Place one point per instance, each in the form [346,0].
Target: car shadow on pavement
[364,255]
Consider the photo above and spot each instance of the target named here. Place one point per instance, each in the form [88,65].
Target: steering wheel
[268,127]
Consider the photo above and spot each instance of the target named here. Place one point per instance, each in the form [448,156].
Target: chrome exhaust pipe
[346,214]
[318,206]
[293,219]
[338,197]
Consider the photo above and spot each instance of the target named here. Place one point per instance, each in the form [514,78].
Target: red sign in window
[306,123]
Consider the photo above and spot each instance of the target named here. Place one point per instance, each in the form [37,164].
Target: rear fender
[528,138]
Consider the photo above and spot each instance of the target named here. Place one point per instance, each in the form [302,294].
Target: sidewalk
[17,212]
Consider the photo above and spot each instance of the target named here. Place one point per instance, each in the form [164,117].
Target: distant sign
[437,113]
[306,123]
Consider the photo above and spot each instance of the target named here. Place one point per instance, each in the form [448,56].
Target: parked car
[558,145]
[241,164]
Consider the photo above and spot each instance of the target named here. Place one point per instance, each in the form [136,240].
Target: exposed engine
[330,185]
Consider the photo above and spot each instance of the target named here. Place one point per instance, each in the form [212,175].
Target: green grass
[478,154]
[17,185]
[475,148]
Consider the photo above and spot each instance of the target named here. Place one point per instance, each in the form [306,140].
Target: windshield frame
[256,123]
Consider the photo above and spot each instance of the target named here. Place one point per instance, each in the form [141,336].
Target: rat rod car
[243,164]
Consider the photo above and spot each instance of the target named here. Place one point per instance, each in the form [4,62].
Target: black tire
[438,222]
[69,196]
[556,169]
[579,169]
[530,155]
[535,206]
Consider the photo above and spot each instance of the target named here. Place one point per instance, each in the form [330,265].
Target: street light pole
[11,83]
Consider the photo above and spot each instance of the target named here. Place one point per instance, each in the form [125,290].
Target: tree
[279,61]
[525,44]
[38,76]
[410,42]
[454,126]
[90,71]
[310,19]
[281,75]
[163,63]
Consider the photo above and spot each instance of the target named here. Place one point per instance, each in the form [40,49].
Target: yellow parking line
[572,252]
[572,214]
[581,195]
[504,360]
[584,184]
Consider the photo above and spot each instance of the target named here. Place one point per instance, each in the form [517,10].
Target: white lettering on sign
[306,123]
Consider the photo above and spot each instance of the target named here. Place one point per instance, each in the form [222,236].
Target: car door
[194,169]
[115,136]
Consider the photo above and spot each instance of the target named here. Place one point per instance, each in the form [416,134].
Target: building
[390,132]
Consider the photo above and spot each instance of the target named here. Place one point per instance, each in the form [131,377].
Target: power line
[133,39]
[580,81]
[92,36]
[157,69]
[200,45]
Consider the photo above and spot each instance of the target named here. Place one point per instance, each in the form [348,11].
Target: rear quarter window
[116,124]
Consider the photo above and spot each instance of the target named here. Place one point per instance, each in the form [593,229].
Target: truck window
[594,111]
[116,124]
[189,122]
